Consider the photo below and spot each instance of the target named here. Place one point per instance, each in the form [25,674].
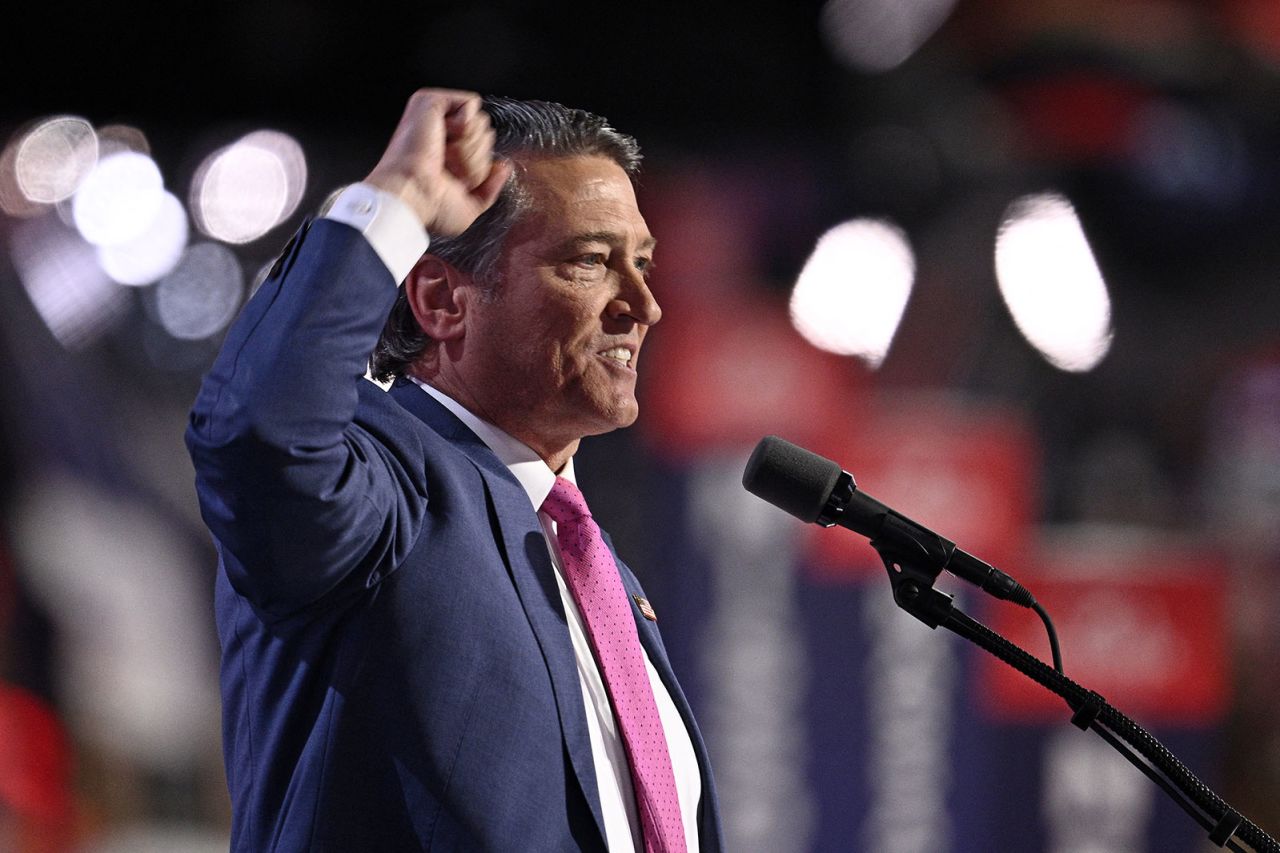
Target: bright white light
[289,151]
[852,291]
[152,254]
[877,35]
[244,190]
[54,157]
[69,290]
[1051,282]
[119,200]
[201,295]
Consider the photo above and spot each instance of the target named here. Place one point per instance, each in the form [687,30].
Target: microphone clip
[913,564]
[912,581]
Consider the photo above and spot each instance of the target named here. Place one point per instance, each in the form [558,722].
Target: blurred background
[1012,262]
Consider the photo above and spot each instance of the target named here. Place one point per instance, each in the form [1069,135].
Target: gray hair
[520,128]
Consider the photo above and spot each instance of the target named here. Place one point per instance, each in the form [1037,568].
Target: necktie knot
[565,503]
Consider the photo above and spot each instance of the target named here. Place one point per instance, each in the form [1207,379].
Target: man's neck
[510,446]
[554,454]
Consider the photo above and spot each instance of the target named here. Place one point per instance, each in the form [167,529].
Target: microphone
[815,489]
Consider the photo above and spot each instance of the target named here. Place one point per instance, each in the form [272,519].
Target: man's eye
[590,260]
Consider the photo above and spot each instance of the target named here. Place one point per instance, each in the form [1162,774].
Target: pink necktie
[592,577]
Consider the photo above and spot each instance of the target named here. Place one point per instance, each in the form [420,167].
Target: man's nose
[635,299]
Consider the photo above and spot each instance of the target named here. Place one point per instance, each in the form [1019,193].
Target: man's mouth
[622,355]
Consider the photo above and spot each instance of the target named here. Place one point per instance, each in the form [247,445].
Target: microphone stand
[912,575]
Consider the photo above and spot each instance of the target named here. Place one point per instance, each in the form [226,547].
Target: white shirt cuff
[391,227]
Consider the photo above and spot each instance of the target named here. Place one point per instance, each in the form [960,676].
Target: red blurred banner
[1143,624]
[724,379]
[35,774]
[963,468]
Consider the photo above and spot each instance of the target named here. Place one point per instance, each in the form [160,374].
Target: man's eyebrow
[610,237]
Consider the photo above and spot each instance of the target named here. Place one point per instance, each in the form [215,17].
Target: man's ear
[432,291]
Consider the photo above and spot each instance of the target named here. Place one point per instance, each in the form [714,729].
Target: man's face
[554,353]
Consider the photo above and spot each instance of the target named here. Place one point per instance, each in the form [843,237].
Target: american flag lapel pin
[646,609]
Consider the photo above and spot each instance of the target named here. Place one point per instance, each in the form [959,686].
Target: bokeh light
[152,254]
[122,137]
[289,152]
[879,35]
[1051,283]
[850,296]
[54,157]
[67,287]
[242,191]
[200,296]
[12,200]
[119,200]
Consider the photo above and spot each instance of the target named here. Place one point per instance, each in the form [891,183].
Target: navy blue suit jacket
[396,666]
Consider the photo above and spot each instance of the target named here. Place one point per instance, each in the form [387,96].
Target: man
[426,642]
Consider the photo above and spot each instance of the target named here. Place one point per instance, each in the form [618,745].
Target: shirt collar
[533,473]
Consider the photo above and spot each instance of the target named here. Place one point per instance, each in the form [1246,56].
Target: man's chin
[627,414]
[618,416]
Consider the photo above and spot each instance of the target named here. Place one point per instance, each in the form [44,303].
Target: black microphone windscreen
[790,477]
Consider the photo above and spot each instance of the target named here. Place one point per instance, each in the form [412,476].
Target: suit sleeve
[299,497]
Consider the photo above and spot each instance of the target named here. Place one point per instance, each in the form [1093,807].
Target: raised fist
[440,160]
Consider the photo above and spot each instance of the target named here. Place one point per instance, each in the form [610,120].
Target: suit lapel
[525,550]
[648,631]
[708,823]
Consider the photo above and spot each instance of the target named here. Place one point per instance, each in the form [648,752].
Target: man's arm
[296,496]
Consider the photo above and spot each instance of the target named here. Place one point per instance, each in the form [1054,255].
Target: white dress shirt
[395,238]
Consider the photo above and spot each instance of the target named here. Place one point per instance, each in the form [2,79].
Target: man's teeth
[622,354]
